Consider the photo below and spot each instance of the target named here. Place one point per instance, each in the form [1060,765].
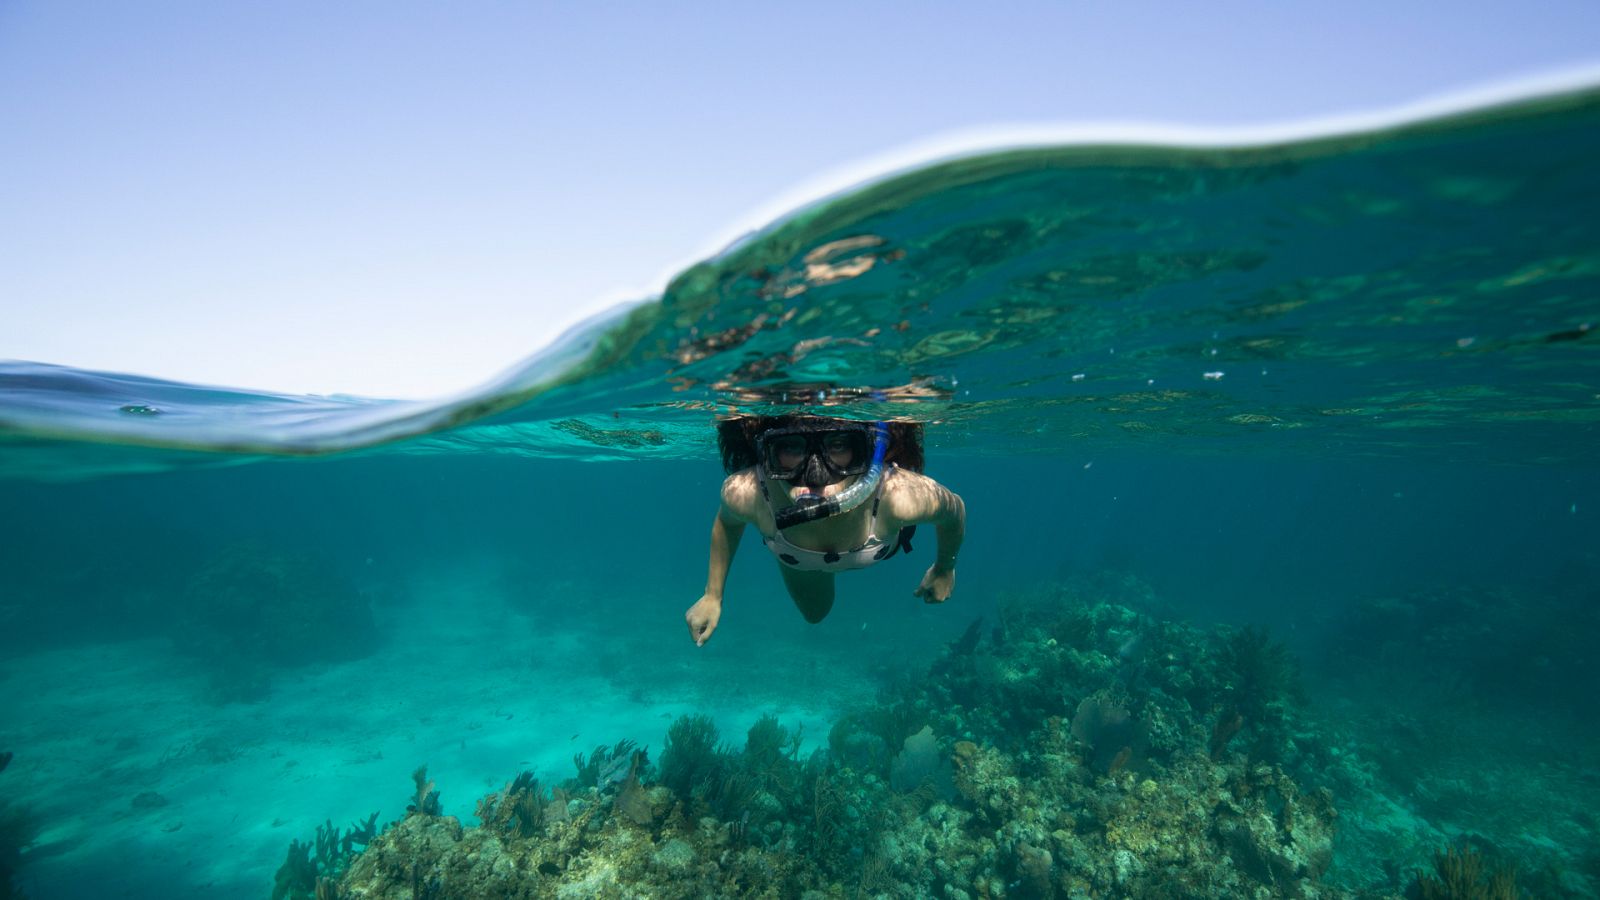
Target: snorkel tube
[811,507]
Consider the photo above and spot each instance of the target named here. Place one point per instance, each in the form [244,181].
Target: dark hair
[736,439]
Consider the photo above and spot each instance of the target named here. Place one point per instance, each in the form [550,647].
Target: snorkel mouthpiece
[811,507]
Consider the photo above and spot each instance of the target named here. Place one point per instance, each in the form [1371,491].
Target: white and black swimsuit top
[870,551]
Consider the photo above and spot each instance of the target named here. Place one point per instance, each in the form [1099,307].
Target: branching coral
[1261,687]
[1263,672]
[520,809]
[690,754]
[767,742]
[306,877]
[426,800]
[362,832]
[770,753]
[1461,874]
[867,740]
[296,879]
[727,792]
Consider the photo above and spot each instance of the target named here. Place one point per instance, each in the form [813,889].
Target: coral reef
[690,755]
[306,877]
[606,765]
[252,609]
[1078,749]
[921,764]
[1460,874]
[426,800]
[522,807]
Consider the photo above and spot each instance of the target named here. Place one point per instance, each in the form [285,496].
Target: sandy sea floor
[144,786]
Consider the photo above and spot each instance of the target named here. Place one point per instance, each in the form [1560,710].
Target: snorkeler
[827,495]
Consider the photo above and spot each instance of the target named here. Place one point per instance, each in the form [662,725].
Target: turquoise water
[1343,389]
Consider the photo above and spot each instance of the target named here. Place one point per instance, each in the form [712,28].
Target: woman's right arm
[726,530]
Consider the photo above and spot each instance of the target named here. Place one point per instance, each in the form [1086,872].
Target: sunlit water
[1276,385]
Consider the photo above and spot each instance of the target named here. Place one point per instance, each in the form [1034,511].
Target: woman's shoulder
[912,496]
[741,493]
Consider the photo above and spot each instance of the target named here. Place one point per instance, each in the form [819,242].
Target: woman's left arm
[925,501]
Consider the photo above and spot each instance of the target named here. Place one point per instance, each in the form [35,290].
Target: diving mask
[816,457]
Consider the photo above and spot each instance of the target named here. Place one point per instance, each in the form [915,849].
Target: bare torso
[906,498]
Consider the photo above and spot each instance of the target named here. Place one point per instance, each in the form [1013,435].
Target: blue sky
[403,199]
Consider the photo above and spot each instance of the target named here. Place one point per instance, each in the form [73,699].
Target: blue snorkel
[812,507]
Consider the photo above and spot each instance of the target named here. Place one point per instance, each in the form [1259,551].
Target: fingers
[702,620]
[700,631]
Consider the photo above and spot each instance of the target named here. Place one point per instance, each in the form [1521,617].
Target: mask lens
[787,454]
[841,449]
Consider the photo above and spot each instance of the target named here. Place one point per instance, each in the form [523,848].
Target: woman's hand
[936,585]
[702,618]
